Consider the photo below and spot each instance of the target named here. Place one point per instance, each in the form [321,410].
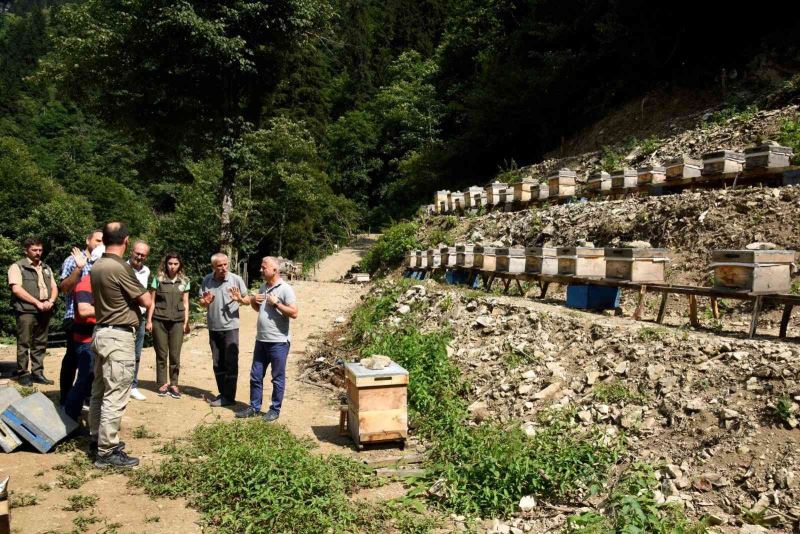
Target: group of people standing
[111,303]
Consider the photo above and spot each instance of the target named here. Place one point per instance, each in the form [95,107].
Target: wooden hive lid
[752,256]
[510,251]
[541,251]
[636,252]
[651,168]
[623,172]
[723,155]
[768,148]
[465,247]
[582,252]
[485,250]
[599,176]
[684,160]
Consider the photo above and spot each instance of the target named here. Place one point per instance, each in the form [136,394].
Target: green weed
[22,499]
[651,333]
[514,357]
[389,249]
[256,477]
[790,136]
[82,522]
[43,487]
[731,113]
[26,390]
[75,472]
[152,519]
[141,432]
[783,409]
[631,507]
[79,503]
[611,392]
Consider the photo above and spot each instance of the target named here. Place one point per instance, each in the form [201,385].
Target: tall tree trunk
[226,193]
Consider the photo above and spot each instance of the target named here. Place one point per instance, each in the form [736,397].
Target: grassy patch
[783,409]
[22,499]
[82,522]
[389,249]
[141,432]
[632,507]
[790,136]
[79,503]
[75,472]
[731,113]
[26,390]
[651,333]
[611,392]
[255,477]
[514,357]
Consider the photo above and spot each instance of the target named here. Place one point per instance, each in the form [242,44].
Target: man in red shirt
[82,330]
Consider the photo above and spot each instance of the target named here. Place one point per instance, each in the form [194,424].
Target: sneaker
[247,412]
[116,458]
[93,447]
[220,401]
[25,380]
[271,416]
[41,379]
[174,393]
[137,395]
[163,392]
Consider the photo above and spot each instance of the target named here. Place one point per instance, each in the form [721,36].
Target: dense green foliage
[486,468]
[282,127]
[257,477]
[389,250]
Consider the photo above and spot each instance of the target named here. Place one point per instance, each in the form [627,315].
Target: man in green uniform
[117,297]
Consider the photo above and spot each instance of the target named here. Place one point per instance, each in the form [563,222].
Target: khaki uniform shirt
[15,277]
[115,289]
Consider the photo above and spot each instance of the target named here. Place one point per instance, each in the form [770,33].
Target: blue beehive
[592,297]
[36,419]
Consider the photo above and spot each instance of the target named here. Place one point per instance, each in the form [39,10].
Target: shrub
[790,136]
[388,250]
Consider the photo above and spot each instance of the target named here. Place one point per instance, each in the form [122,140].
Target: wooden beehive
[683,167]
[465,255]
[581,261]
[652,174]
[756,271]
[434,258]
[456,201]
[636,264]
[422,259]
[524,190]
[411,258]
[485,258]
[544,191]
[506,196]
[510,260]
[768,156]
[449,256]
[624,179]
[474,197]
[440,201]
[541,260]
[722,162]
[561,183]
[493,193]
[377,402]
[599,181]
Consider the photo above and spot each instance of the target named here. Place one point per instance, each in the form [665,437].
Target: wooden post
[506,283]
[662,308]
[754,319]
[787,314]
[544,286]
[637,314]
[693,311]
[714,308]
[519,286]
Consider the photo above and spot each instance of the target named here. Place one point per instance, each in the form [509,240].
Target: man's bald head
[115,234]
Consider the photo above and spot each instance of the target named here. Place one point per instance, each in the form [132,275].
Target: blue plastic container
[591,297]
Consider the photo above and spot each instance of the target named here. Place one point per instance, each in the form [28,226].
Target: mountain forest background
[286,126]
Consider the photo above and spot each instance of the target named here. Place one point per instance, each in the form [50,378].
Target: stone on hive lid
[636,244]
[376,362]
[761,245]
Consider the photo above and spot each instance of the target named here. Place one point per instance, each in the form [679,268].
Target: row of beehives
[762,271]
[562,183]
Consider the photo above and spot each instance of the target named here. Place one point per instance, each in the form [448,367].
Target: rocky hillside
[717,416]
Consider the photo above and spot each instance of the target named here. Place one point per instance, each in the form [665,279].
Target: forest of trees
[285,126]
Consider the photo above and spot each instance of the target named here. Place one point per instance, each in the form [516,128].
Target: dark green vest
[30,283]
[169,301]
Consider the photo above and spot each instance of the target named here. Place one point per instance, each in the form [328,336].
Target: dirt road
[307,411]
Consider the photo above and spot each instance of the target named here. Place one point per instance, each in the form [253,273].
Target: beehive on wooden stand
[767,156]
[525,190]
[506,197]
[541,260]
[449,257]
[485,258]
[722,162]
[544,191]
[440,201]
[434,257]
[756,271]
[465,255]
[581,261]
[376,403]
[624,179]
[474,197]
[683,167]
[493,193]
[599,181]
[422,259]
[652,174]
[510,260]
[561,183]
[455,200]
[411,258]
[636,264]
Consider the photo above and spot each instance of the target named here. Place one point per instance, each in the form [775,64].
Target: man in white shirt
[139,254]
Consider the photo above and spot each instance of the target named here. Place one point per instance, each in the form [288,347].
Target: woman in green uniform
[168,321]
